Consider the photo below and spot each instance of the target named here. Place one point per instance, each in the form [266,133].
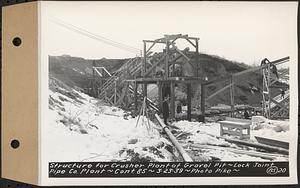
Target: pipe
[182,152]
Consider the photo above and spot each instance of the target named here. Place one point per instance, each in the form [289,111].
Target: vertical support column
[126,96]
[269,91]
[145,90]
[93,81]
[197,57]
[135,96]
[144,70]
[145,59]
[167,58]
[189,101]
[232,95]
[265,94]
[115,91]
[203,102]
[160,99]
[172,100]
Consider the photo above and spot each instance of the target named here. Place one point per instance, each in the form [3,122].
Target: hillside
[76,72]
[78,130]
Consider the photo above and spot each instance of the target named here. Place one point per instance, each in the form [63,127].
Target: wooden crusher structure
[122,88]
[127,87]
[169,77]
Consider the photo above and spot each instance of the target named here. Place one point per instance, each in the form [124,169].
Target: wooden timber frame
[171,54]
[99,76]
[269,83]
[274,107]
[172,81]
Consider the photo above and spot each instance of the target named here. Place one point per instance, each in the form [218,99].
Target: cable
[96,37]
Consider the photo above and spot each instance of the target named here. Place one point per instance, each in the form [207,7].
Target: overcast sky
[245,32]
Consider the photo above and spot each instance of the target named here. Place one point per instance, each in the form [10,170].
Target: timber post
[160,99]
[189,101]
[203,102]
[135,96]
[172,100]
[232,95]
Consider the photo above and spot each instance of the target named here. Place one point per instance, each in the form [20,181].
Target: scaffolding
[275,107]
[168,78]
[122,87]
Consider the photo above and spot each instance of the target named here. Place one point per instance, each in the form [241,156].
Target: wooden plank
[154,41]
[150,47]
[160,99]
[145,60]
[219,91]
[172,101]
[154,65]
[258,145]
[189,101]
[272,142]
[191,42]
[135,96]
[167,59]
[280,105]
[179,51]
[203,101]
[242,152]
[232,95]
[182,152]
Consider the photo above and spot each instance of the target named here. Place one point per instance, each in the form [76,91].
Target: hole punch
[17,41]
[15,144]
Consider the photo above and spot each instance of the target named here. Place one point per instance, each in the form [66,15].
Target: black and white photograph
[147,82]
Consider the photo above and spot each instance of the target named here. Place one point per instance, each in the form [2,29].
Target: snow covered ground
[81,128]
[206,134]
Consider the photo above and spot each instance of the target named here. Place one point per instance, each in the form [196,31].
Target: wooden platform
[170,79]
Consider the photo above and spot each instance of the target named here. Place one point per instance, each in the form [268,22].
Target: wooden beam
[175,59]
[197,57]
[277,112]
[135,96]
[189,101]
[172,101]
[122,96]
[276,62]
[145,90]
[203,102]
[258,145]
[195,45]
[154,65]
[279,104]
[232,95]
[145,60]
[160,99]
[179,51]
[154,41]
[150,47]
[217,92]
[98,72]
[264,155]
[167,60]
[179,148]
[170,79]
